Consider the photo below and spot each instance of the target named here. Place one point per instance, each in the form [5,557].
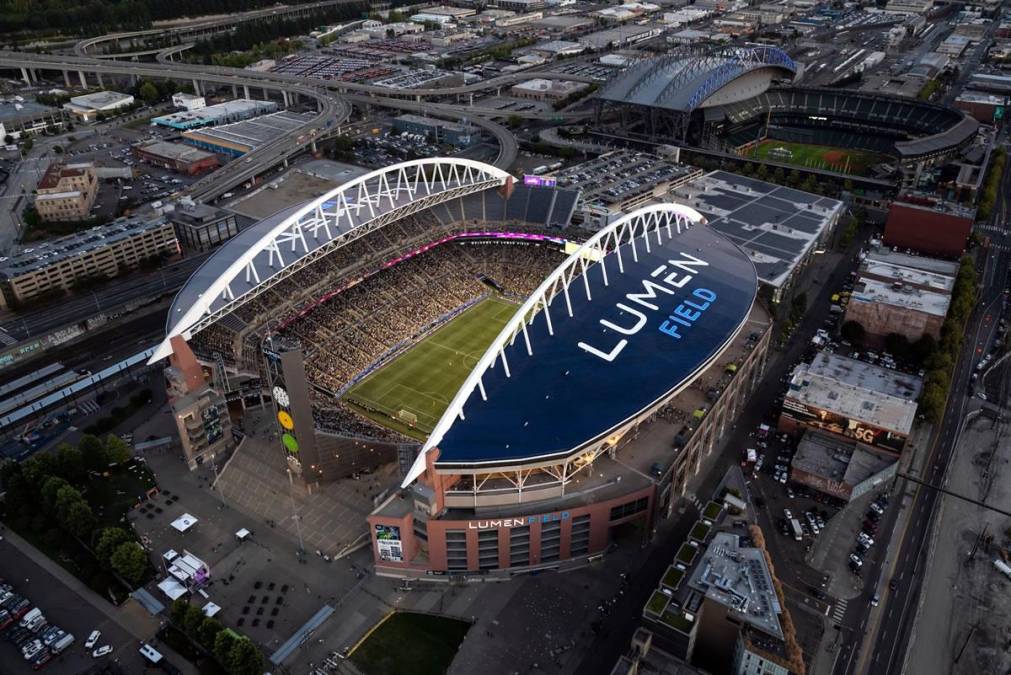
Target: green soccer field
[845,160]
[423,380]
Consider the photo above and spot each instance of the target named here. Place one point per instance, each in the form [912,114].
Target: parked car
[101,651]
[92,639]
[856,560]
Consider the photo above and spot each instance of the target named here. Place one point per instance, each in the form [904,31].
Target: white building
[183,101]
[88,106]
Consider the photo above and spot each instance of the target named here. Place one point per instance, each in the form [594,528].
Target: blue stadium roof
[563,396]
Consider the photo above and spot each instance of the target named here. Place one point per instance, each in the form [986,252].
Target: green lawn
[845,160]
[419,644]
[423,380]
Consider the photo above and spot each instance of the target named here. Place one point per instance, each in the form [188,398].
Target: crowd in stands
[367,313]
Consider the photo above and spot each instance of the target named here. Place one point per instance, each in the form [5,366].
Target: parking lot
[64,608]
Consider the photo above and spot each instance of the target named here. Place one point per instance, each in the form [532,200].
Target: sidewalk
[131,617]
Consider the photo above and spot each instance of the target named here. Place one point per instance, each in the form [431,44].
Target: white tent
[172,588]
[210,609]
[184,522]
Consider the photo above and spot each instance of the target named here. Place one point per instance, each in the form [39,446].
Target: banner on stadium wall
[389,544]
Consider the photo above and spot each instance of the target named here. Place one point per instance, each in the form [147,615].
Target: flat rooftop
[917,262]
[776,226]
[615,177]
[906,297]
[827,456]
[857,390]
[211,114]
[738,577]
[100,99]
[174,151]
[889,271]
[251,134]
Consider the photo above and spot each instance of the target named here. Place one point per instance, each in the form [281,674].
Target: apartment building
[66,193]
[102,251]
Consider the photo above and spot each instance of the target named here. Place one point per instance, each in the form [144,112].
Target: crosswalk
[839,611]
[88,407]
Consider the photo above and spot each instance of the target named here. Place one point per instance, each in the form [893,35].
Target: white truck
[798,533]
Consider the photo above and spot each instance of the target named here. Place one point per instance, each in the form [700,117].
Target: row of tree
[235,653]
[94,17]
[47,498]
[261,34]
[991,188]
[941,362]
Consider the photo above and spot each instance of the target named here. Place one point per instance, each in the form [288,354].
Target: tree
[208,632]
[27,144]
[852,332]
[191,622]
[58,149]
[66,496]
[244,659]
[70,463]
[177,612]
[50,492]
[92,452]
[514,121]
[148,92]
[897,344]
[8,139]
[116,450]
[129,561]
[109,539]
[223,643]
[79,520]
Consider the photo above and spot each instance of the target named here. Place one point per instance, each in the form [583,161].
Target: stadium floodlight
[277,247]
[643,228]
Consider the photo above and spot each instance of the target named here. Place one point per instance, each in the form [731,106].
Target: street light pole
[294,512]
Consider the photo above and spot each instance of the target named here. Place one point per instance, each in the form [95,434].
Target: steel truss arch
[282,244]
[635,229]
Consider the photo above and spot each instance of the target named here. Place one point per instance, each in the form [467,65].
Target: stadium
[546,390]
[735,97]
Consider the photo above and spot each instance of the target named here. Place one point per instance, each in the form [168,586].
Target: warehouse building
[900,296]
[437,131]
[540,89]
[184,101]
[235,140]
[87,107]
[929,226]
[66,193]
[840,468]
[103,251]
[852,399]
[987,108]
[215,115]
[177,157]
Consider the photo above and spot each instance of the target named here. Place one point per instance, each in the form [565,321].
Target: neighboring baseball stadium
[743,100]
[546,390]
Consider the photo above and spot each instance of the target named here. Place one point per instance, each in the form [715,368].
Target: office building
[928,225]
[201,227]
[853,399]
[437,131]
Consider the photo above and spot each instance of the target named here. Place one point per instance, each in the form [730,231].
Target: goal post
[407,416]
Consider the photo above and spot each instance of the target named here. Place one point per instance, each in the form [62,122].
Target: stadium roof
[283,243]
[688,78]
[553,386]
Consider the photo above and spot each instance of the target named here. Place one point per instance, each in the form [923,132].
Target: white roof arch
[636,228]
[280,245]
